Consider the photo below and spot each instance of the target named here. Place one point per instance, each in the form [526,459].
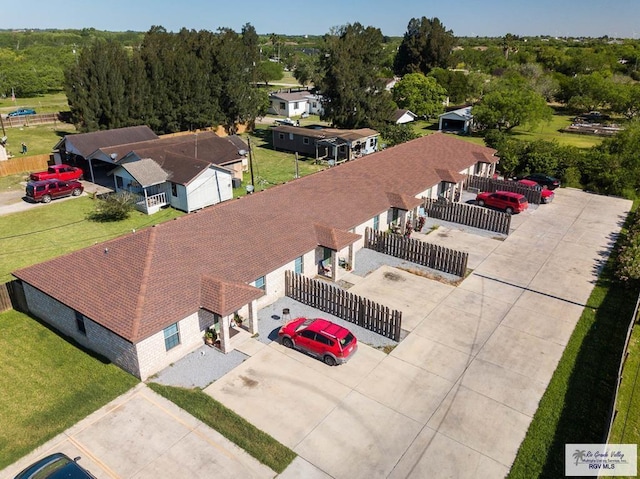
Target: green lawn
[49,231]
[575,406]
[551,131]
[232,426]
[51,103]
[626,427]
[47,385]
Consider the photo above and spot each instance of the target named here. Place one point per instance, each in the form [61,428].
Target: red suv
[504,200]
[47,190]
[320,338]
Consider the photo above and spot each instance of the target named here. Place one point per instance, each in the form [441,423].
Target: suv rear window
[346,340]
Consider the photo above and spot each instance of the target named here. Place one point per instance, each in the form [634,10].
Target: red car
[503,200]
[58,172]
[320,338]
[47,190]
[547,194]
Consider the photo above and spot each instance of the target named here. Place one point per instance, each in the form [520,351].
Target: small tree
[113,207]
[396,134]
[269,71]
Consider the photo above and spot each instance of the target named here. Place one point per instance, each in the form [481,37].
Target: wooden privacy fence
[344,305]
[468,215]
[30,120]
[12,296]
[426,254]
[22,164]
[492,185]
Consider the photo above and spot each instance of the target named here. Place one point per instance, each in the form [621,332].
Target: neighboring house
[295,103]
[403,116]
[457,120]
[389,83]
[74,149]
[187,171]
[333,144]
[144,300]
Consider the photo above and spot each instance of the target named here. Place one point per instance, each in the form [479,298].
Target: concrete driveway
[456,397]
[142,435]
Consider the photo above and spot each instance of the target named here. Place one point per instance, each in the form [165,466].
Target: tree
[307,70]
[96,87]
[396,134]
[268,71]
[426,44]
[509,104]
[353,92]
[625,99]
[420,94]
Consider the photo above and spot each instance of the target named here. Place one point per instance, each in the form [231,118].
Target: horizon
[466,18]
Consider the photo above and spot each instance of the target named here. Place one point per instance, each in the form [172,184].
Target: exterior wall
[180,201]
[210,187]
[152,354]
[314,105]
[371,145]
[293,142]
[291,108]
[98,339]
[127,179]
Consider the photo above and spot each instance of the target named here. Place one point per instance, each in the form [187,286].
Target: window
[305,141]
[171,336]
[80,323]
[376,223]
[308,334]
[174,189]
[282,105]
[299,265]
[295,105]
[291,136]
[261,283]
[324,340]
[395,214]
[119,183]
[281,136]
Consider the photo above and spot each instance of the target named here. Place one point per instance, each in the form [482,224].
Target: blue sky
[617,18]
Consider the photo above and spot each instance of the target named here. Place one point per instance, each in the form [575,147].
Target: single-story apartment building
[332,144]
[144,300]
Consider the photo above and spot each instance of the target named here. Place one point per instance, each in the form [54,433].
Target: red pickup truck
[58,172]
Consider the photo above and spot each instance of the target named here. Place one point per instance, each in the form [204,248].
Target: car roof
[513,194]
[46,468]
[327,327]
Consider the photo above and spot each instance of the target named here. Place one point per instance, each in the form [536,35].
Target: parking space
[142,435]
[456,396]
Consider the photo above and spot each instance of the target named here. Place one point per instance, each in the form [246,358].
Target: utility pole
[251,163]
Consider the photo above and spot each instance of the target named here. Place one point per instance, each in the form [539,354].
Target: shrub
[113,207]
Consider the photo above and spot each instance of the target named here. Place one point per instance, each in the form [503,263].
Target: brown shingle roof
[403,202]
[87,143]
[225,297]
[140,283]
[320,133]
[334,238]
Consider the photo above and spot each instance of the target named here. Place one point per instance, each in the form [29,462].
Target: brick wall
[98,338]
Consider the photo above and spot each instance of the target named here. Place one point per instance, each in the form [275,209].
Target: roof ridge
[143,283]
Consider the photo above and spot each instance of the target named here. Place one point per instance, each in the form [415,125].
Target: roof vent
[106,250]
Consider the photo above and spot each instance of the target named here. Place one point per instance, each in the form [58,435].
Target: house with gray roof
[295,103]
[144,300]
[460,120]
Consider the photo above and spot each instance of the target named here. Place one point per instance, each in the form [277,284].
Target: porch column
[225,338]
[334,265]
[253,317]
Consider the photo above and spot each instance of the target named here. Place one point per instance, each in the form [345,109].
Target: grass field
[47,385]
[51,103]
[551,132]
[232,426]
[575,407]
[49,231]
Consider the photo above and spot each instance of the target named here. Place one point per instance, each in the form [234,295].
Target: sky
[494,18]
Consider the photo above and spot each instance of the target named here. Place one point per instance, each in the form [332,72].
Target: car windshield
[346,340]
[522,200]
[48,469]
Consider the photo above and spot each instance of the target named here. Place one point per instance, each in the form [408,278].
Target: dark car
[22,112]
[544,180]
[56,466]
[320,338]
[47,190]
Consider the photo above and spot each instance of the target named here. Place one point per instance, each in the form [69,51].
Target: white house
[295,103]
[401,116]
